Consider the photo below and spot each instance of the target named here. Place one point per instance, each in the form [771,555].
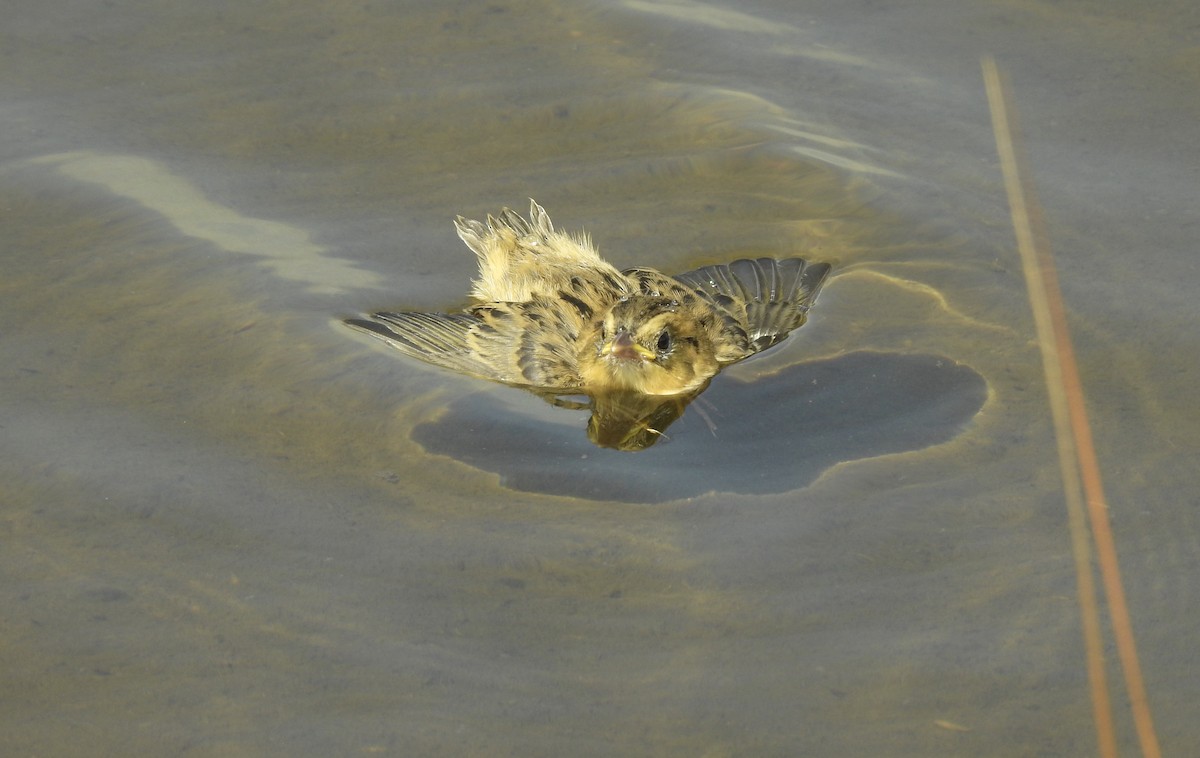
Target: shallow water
[230,527]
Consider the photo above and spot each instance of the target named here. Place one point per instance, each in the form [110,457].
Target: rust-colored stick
[1077,454]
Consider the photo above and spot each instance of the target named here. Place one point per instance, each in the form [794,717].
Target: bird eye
[664,341]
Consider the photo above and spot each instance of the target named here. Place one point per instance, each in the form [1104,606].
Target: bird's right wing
[503,342]
[449,340]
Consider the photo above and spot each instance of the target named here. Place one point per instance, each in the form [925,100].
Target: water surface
[232,528]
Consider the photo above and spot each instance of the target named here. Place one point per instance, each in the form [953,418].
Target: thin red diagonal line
[1077,453]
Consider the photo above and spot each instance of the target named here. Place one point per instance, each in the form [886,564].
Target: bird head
[652,345]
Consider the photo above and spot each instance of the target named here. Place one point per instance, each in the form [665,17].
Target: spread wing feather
[777,293]
[490,340]
[451,340]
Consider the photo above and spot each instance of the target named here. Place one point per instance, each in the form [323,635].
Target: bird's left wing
[770,296]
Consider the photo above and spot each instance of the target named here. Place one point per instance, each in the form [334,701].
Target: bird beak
[623,347]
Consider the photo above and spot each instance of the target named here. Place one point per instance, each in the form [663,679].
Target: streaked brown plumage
[551,315]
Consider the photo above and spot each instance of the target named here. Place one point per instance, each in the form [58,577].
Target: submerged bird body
[550,314]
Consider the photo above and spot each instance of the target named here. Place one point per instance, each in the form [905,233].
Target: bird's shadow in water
[771,435]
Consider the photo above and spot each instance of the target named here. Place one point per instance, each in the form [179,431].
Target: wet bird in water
[552,316]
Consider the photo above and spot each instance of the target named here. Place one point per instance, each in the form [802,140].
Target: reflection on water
[628,421]
[229,530]
[631,421]
[769,436]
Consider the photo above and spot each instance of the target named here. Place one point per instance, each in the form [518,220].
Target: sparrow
[550,315]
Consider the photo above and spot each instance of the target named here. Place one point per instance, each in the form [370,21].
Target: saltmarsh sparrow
[552,316]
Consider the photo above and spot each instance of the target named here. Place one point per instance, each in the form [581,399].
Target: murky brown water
[232,528]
